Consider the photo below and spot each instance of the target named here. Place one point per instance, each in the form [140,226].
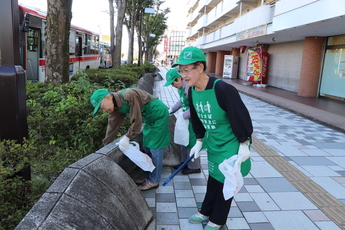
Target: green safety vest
[221,141]
[156,134]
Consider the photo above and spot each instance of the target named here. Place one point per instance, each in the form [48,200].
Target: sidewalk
[297,179]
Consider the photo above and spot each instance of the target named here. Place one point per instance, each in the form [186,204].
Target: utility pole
[13,120]
[140,52]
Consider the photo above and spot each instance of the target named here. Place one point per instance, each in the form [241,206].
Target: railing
[259,16]
[284,6]
[220,10]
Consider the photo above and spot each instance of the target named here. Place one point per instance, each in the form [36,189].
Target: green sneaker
[197,218]
[212,226]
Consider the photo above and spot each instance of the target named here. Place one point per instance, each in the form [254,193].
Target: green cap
[96,99]
[190,55]
[171,75]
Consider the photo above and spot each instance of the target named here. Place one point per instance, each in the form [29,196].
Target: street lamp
[146,11]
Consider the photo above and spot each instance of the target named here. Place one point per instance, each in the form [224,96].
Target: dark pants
[214,204]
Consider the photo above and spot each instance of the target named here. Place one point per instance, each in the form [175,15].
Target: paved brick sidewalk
[297,179]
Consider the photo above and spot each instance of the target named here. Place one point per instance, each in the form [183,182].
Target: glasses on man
[185,71]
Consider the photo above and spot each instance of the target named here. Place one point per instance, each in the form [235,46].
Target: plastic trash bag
[139,158]
[181,132]
[233,177]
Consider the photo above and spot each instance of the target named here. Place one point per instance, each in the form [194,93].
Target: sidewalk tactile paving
[297,164]
[332,207]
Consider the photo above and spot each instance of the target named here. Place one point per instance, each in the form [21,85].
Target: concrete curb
[93,193]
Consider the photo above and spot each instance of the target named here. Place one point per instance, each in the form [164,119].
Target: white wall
[293,13]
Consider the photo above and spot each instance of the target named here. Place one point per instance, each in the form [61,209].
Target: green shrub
[62,130]
[106,78]
[149,68]
[14,158]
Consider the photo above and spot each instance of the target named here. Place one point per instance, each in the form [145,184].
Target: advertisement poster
[257,65]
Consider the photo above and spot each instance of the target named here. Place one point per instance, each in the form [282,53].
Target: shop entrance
[333,73]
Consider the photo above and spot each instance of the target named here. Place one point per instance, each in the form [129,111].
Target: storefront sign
[256,63]
[251,33]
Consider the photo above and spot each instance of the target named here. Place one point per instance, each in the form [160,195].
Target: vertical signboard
[166,42]
[257,65]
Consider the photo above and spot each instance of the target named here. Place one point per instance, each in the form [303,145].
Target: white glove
[124,143]
[196,150]
[243,153]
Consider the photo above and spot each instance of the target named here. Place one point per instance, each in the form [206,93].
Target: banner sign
[251,33]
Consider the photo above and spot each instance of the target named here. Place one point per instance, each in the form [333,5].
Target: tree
[59,17]
[112,34]
[153,25]
[131,16]
[132,21]
[121,9]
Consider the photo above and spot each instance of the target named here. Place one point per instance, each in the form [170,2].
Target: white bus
[83,45]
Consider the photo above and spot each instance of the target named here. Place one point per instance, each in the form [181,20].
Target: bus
[83,45]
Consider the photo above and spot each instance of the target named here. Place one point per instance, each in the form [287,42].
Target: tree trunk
[132,14]
[147,47]
[58,26]
[130,45]
[112,34]
[121,9]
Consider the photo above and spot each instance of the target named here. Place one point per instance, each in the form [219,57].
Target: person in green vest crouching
[174,78]
[220,118]
[142,107]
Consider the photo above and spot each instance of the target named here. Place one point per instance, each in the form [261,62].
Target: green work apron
[156,134]
[221,141]
[185,106]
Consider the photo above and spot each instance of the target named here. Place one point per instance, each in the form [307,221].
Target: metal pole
[166,181]
[139,38]
[13,121]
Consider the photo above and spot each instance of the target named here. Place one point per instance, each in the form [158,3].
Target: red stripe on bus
[42,62]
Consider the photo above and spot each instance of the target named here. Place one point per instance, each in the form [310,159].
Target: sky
[93,14]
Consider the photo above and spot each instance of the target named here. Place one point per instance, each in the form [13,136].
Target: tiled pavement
[310,195]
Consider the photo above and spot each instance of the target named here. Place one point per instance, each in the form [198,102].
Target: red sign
[257,65]
[166,42]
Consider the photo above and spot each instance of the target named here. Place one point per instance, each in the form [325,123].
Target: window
[32,40]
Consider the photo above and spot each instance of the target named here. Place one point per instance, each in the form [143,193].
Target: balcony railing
[223,8]
[259,16]
[284,6]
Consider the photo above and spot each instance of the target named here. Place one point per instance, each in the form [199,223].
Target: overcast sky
[92,14]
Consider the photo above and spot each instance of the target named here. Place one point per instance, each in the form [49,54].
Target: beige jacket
[136,99]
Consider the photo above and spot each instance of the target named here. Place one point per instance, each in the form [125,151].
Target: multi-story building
[305,40]
[176,44]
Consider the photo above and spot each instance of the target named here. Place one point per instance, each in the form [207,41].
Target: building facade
[176,44]
[304,39]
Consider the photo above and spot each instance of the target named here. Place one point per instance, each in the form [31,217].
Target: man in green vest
[219,118]
[143,109]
